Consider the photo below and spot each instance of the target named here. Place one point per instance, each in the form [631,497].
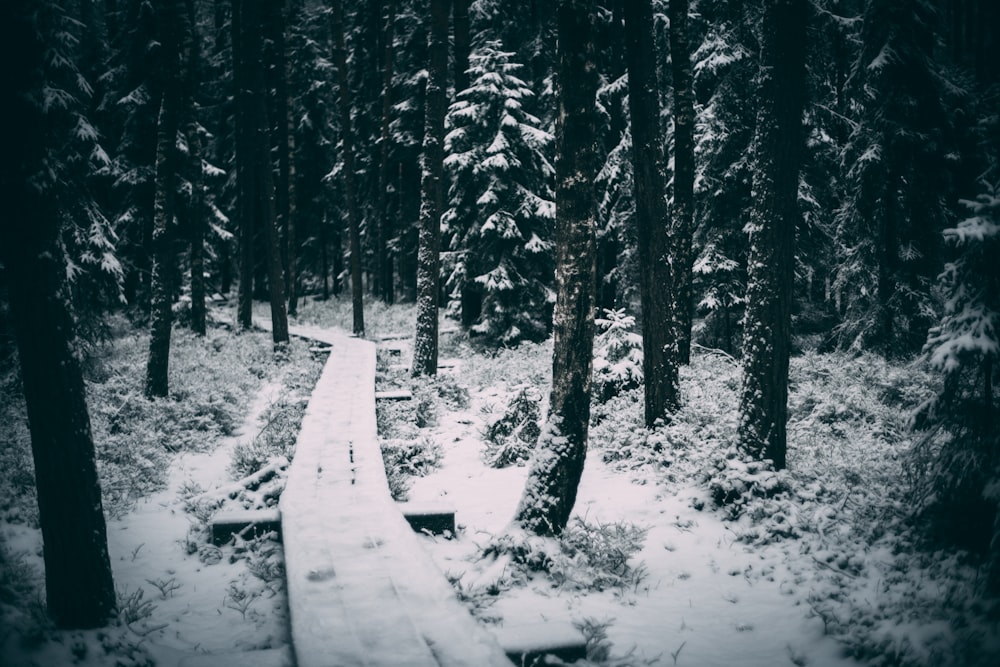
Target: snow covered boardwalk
[361,589]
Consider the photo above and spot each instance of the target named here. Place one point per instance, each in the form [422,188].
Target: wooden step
[272,657]
[529,643]
[434,518]
[394,395]
[227,523]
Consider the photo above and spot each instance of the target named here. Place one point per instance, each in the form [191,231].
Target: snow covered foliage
[896,172]
[498,225]
[74,157]
[958,460]
[617,355]
[724,124]
[511,438]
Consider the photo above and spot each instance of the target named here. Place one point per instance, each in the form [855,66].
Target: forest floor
[818,565]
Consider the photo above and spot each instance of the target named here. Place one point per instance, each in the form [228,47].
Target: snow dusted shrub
[511,438]
[404,459]
[617,355]
[959,483]
[586,556]
[740,479]
[276,438]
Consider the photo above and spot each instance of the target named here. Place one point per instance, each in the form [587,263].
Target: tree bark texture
[79,588]
[197,213]
[347,144]
[463,43]
[550,491]
[254,169]
[425,349]
[683,212]
[244,208]
[656,285]
[164,204]
[776,153]
[383,260]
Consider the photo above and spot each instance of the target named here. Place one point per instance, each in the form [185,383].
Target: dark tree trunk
[262,187]
[383,260]
[776,153]
[198,311]
[197,213]
[79,588]
[550,491]
[681,261]
[652,215]
[254,173]
[425,349]
[463,43]
[276,21]
[244,207]
[347,143]
[291,239]
[157,368]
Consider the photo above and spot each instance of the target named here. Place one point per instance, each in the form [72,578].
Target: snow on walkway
[361,589]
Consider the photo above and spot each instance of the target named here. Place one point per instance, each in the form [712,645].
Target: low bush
[511,438]
[405,459]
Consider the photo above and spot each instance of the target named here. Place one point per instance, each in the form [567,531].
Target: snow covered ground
[814,566]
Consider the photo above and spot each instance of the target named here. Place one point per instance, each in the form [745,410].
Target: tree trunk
[383,260]
[550,491]
[157,367]
[254,172]
[244,208]
[263,173]
[198,312]
[425,349]
[682,260]
[192,55]
[291,232]
[463,42]
[775,153]
[652,216]
[347,142]
[79,588]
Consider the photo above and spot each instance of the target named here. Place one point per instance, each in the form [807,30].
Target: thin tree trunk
[463,42]
[157,367]
[652,214]
[192,55]
[291,240]
[347,142]
[263,173]
[383,260]
[550,491]
[198,311]
[775,152]
[244,207]
[683,213]
[425,349]
[79,588]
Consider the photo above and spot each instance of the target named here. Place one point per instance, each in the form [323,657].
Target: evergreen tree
[657,260]
[167,162]
[896,176]
[965,347]
[723,65]
[550,490]
[42,195]
[425,348]
[776,151]
[349,176]
[499,263]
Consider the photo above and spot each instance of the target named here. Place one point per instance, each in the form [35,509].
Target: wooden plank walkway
[362,591]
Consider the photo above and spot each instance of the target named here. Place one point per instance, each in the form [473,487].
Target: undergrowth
[586,556]
[846,503]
